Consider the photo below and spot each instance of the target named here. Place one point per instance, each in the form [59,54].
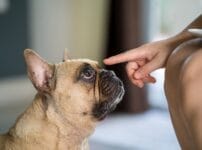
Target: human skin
[183,80]
[141,61]
[181,55]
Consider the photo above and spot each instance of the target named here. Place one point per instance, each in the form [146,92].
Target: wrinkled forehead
[76,64]
[80,62]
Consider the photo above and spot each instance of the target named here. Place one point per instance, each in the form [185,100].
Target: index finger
[123,57]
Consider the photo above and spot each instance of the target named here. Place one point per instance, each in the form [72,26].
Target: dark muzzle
[111,92]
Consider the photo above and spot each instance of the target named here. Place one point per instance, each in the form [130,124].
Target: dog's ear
[39,71]
[65,55]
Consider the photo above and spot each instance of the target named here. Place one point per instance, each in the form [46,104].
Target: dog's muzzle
[111,92]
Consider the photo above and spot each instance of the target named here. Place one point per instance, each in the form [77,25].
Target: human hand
[142,61]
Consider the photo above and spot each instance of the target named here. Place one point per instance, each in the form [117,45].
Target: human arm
[143,60]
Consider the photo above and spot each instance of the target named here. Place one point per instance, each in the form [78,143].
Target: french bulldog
[72,96]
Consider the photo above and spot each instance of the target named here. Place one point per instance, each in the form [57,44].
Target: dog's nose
[107,73]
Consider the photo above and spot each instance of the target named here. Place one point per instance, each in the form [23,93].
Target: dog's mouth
[111,92]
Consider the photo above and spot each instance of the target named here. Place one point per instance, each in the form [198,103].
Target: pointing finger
[124,57]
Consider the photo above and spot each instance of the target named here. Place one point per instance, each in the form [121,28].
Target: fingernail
[140,85]
[138,75]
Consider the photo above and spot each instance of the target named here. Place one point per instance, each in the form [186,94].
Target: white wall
[177,14]
[4,6]
[78,25]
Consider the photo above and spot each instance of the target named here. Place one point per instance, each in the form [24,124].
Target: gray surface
[94,145]
[148,131]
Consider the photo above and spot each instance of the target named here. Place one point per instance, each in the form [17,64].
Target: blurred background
[93,29]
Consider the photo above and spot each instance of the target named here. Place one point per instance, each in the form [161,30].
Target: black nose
[107,73]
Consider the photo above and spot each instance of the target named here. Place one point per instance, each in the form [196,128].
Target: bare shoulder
[180,63]
[192,68]
[183,87]
[184,51]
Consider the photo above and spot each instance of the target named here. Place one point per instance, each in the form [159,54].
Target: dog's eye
[88,74]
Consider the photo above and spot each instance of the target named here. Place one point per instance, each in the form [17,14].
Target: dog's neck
[45,122]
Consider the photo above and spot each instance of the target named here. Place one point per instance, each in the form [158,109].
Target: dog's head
[78,89]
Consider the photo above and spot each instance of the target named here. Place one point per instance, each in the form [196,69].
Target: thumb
[146,69]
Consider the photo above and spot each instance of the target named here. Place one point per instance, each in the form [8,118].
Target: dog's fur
[72,97]
[183,88]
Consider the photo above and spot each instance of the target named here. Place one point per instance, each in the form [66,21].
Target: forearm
[184,35]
